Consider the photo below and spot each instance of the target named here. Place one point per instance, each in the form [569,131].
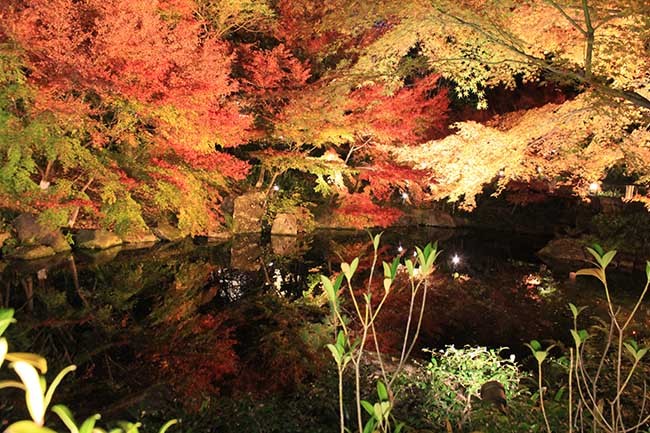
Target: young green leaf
[607,258]
[375,240]
[88,425]
[382,392]
[368,407]
[387,283]
[410,268]
[370,426]
[55,383]
[4,348]
[66,416]
[32,359]
[387,270]
[594,272]
[165,426]
[6,318]
[575,310]
[27,427]
[335,353]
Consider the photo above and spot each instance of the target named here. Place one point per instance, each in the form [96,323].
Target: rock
[245,253]
[494,392]
[218,235]
[144,237]
[59,244]
[30,232]
[248,212]
[96,239]
[431,218]
[32,252]
[168,232]
[100,257]
[564,251]
[284,245]
[285,224]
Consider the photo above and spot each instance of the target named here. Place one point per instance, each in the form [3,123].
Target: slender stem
[541,396]
[571,390]
[341,410]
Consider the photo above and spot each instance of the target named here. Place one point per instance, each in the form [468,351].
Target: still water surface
[245,315]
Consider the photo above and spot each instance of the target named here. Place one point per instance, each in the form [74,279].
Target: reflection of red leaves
[196,362]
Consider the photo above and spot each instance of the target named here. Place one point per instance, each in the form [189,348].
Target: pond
[183,323]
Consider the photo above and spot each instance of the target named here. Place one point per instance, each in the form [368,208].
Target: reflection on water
[186,321]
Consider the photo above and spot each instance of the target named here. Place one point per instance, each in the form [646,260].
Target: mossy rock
[285,224]
[96,239]
[27,252]
[139,238]
[30,232]
[248,212]
[168,232]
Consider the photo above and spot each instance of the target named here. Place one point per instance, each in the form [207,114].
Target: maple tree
[132,113]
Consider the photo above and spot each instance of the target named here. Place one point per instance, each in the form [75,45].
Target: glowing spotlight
[594,187]
[455,259]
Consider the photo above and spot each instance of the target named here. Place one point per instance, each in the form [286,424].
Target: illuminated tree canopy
[129,113]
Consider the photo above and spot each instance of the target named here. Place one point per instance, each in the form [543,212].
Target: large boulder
[168,232]
[30,232]
[567,252]
[285,224]
[96,239]
[32,252]
[248,212]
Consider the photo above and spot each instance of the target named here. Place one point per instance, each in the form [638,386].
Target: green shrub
[453,379]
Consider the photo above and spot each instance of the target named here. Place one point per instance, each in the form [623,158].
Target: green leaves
[349,269]
[579,337]
[536,349]
[633,349]
[6,318]
[382,392]
[339,351]
[602,258]
[27,427]
[594,272]
[575,310]
[427,257]
[331,290]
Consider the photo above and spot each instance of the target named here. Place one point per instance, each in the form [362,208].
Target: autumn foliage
[154,111]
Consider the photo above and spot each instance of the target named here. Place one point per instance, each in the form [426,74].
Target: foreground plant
[30,369]
[350,347]
[598,390]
